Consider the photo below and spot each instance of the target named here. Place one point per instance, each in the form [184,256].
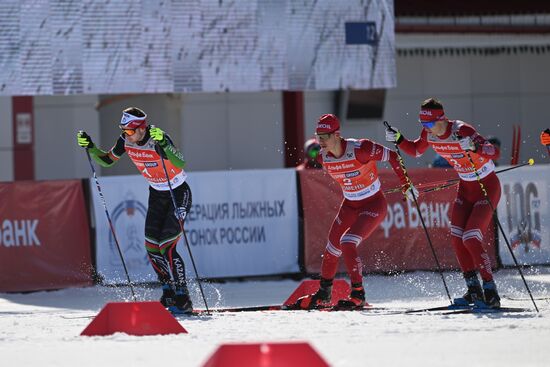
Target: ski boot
[356,299]
[168,297]
[319,299]
[492,299]
[182,304]
[474,294]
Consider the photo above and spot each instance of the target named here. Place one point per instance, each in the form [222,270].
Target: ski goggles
[428,124]
[131,127]
[129,132]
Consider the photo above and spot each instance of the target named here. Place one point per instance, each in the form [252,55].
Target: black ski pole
[111,224]
[409,182]
[183,231]
[500,226]
[530,162]
[454,181]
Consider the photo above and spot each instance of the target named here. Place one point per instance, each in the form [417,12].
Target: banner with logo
[44,236]
[399,243]
[242,223]
[524,212]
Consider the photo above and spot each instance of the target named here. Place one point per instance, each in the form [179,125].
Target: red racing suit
[472,212]
[364,205]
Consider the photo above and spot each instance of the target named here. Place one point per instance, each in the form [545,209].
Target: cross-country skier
[352,163]
[146,146]
[472,213]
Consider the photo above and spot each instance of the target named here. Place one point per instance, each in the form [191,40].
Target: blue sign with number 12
[361,33]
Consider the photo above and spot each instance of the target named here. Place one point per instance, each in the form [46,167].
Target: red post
[23,138]
[293,115]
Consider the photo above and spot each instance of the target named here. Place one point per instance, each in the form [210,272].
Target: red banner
[44,236]
[399,243]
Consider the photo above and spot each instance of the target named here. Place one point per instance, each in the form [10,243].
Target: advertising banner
[44,236]
[524,213]
[242,223]
[399,243]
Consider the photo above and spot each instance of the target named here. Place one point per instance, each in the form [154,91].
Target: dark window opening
[366,104]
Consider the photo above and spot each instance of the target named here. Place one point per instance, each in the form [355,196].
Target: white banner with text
[524,212]
[242,223]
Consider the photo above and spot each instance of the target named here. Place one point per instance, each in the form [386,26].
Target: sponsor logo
[435,215]
[128,219]
[15,233]
[150,164]
[370,214]
[426,112]
[352,174]
[523,216]
[337,167]
[445,147]
[142,154]
[324,126]
[179,269]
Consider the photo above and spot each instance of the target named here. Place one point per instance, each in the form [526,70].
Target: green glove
[84,140]
[158,135]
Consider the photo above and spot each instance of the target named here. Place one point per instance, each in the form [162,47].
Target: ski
[199,312]
[525,298]
[453,309]
[481,310]
[460,309]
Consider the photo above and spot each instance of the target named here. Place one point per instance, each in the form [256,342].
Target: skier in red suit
[352,163]
[472,213]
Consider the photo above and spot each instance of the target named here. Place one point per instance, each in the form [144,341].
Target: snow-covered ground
[42,328]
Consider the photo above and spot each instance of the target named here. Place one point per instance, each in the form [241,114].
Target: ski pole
[444,184]
[183,231]
[111,225]
[409,182]
[482,186]
[453,182]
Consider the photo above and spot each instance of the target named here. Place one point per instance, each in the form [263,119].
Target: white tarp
[524,212]
[135,46]
[242,223]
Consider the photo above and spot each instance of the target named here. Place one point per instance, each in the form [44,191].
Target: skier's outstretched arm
[413,148]
[103,158]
